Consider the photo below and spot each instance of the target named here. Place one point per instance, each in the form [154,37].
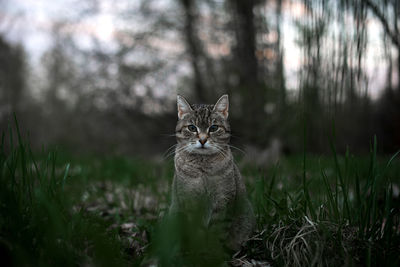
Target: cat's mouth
[202,149]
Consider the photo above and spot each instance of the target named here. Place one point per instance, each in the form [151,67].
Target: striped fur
[209,172]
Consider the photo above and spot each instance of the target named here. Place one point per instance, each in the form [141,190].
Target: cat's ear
[183,107]
[222,106]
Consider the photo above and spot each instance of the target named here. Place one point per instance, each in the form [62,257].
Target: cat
[205,170]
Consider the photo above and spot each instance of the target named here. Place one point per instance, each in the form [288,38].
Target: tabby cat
[205,169]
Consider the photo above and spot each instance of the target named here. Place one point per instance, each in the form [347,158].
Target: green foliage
[335,211]
[38,224]
[61,209]
[184,240]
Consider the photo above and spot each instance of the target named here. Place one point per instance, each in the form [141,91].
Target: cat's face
[203,129]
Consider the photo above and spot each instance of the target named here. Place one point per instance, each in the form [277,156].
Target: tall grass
[339,210]
[38,224]
[345,214]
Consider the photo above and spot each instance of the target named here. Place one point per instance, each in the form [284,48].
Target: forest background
[102,77]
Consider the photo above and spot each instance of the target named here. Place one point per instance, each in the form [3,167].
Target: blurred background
[101,76]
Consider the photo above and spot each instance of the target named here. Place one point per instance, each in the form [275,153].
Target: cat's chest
[205,182]
[199,168]
[211,186]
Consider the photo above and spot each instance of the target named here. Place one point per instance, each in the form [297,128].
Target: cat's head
[203,129]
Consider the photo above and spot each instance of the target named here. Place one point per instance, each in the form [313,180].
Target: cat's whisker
[240,150]
[220,150]
[173,152]
[168,135]
[222,153]
[190,149]
[169,155]
[169,149]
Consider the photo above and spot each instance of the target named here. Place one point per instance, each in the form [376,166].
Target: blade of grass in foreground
[307,199]
[331,200]
[341,181]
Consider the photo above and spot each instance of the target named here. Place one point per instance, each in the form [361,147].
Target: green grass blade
[341,181]
[65,175]
[331,200]
[359,207]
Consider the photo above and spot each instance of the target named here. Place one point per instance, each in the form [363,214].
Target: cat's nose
[202,138]
[203,141]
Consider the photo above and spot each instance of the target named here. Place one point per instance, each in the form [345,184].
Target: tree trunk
[398,70]
[251,91]
[194,48]
[280,67]
[246,42]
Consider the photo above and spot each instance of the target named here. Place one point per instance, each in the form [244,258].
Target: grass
[39,225]
[345,215]
[62,209]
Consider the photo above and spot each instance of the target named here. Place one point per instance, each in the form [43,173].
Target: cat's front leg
[242,226]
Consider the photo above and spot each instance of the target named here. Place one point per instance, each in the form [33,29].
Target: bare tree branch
[394,36]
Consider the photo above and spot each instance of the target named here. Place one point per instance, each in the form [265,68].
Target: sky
[29,22]
[34,19]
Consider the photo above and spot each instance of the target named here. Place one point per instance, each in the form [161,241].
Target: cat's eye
[192,128]
[213,128]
